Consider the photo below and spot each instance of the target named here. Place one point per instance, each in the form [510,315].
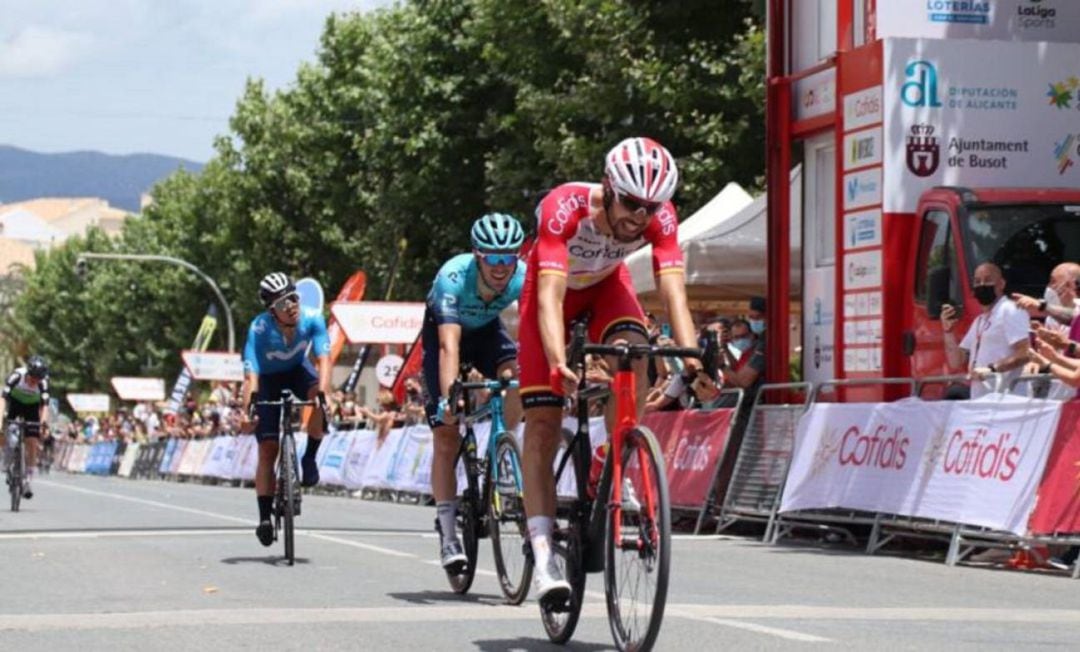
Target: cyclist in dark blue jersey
[461,324]
[276,357]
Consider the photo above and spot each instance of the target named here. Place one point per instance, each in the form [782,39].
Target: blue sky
[157,76]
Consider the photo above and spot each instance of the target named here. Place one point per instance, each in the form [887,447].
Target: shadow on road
[529,644]
[270,560]
[439,597]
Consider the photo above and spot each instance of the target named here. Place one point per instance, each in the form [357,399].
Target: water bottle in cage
[596,467]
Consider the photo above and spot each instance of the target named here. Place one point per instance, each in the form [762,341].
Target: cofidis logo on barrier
[968,12]
[922,89]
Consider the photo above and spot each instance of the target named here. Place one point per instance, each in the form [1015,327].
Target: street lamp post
[185,264]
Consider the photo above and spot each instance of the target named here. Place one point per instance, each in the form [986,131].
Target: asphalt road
[106,563]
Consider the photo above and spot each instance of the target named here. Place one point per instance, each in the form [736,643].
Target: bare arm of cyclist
[449,359]
[551,290]
[671,285]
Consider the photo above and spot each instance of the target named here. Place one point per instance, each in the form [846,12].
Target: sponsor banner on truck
[978,114]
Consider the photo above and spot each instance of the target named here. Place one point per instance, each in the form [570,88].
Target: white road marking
[144,501]
[900,614]
[358,544]
[788,634]
[103,534]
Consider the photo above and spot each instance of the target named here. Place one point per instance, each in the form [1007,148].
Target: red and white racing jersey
[568,241]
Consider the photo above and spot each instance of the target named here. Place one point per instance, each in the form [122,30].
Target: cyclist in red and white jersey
[584,233]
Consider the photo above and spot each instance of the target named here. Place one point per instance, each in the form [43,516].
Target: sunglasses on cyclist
[286,301]
[496,260]
[634,205]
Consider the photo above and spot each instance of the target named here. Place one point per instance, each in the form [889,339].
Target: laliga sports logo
[923,89]
[923,151]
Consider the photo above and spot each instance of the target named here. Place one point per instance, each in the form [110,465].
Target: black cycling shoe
[265,532]
[310,471]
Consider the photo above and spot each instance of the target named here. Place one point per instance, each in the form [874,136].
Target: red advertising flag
[692,442]
[1057,508]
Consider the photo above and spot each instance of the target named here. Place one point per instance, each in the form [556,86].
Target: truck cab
[1025,231]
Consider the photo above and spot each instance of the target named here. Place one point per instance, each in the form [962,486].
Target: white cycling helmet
[643,169]
[273,286]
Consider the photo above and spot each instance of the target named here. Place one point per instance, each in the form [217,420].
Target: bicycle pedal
[557,604]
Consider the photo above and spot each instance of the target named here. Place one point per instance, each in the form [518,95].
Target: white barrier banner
[213,365]
[228,463]
[131,453]
[377,470]
[77,463]
[973,462]
[332,455]
[178,456]
[130,388]
[356,462]
[214,465]
[89,402]
[410,468]
[247,459]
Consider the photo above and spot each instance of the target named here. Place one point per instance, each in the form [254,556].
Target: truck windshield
[1026,241]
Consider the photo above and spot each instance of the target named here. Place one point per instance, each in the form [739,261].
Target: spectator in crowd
[756,318]
[1059,302]
[1058,355]
[386,417]
[742,358]
[413,410]
[997,341]
[222,394]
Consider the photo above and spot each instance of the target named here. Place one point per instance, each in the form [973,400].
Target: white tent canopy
[723,245]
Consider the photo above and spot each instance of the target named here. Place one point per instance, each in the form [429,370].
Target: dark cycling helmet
[274,286]
[497,232]
[36,367]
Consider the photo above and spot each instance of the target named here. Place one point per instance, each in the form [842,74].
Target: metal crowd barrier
[753,493]
[838,520]
[710,498]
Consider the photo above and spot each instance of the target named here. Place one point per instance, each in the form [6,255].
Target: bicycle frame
[494,409]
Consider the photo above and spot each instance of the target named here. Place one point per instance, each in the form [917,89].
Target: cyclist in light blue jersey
[461,324]
[275,359]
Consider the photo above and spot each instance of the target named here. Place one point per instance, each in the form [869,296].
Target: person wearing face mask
[1059,302]
[756,318]
[743,361]
[997,341]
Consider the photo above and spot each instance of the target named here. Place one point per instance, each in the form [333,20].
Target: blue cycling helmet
[497,232]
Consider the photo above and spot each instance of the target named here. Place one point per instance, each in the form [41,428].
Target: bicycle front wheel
[15,476]
[289,486]
[638,544]
[507,525]
[469,529]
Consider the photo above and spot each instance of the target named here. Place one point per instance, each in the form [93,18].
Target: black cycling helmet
[273,286]
[36,367]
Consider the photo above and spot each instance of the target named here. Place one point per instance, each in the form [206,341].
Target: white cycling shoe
[548,583]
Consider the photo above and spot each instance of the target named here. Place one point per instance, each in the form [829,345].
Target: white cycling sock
[446,512]
[540,528]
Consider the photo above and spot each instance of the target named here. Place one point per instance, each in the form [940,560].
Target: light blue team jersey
[266,352]
[454,299]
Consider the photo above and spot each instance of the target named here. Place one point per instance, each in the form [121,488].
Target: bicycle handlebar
[287,397]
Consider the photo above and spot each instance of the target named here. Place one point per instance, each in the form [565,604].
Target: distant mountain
[119,179]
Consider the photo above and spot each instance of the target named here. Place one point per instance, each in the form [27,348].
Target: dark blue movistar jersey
[454,299]
[266,351]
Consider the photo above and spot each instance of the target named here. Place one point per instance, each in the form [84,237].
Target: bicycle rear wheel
[289,486]
[507,526]
[560,620]
[638,545]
